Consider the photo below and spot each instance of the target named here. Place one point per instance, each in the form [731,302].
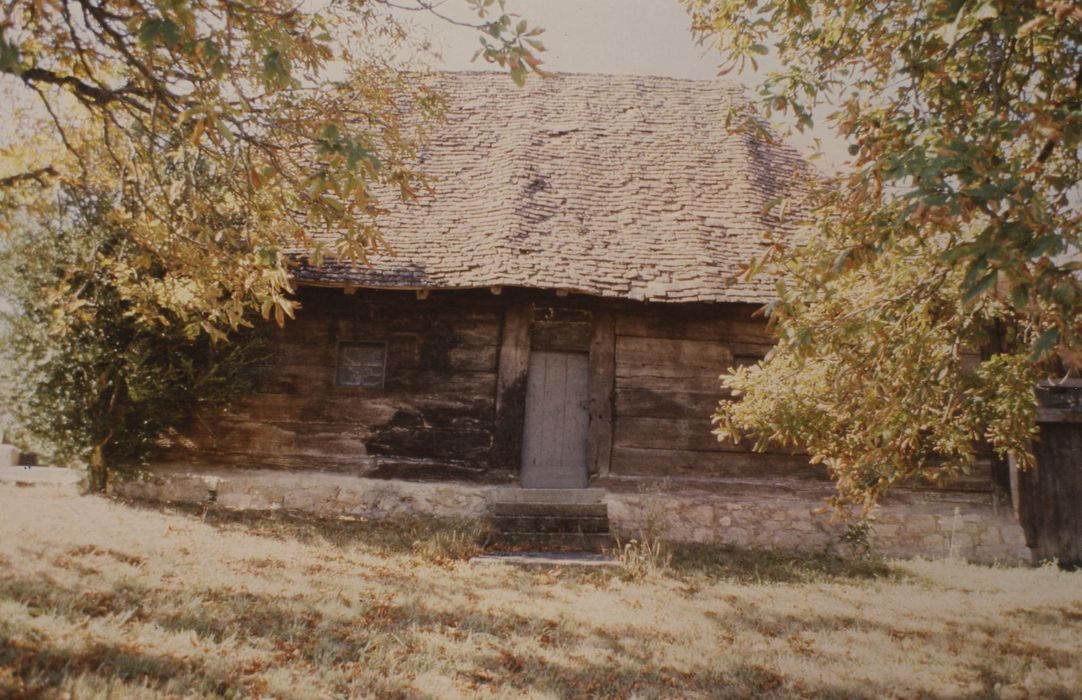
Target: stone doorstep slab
[40,476]
[546,560]
[9,456]
[554,496]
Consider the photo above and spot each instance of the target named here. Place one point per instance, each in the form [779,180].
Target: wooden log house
[557,313]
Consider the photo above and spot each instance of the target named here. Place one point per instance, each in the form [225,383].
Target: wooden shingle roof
[613,186]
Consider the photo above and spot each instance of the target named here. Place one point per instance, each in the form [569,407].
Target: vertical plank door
[557,421]
[1051,504]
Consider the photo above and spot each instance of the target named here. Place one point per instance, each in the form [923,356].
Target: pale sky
[640,37]
[623,37]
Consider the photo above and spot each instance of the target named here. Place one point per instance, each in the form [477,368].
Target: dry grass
[101,599]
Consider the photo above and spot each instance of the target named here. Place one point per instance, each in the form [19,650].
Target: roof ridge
[550,75]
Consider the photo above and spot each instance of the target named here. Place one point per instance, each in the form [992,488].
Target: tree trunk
[97,474]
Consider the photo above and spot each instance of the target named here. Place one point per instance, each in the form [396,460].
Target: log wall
[667,367]
[453,400]
[434,415]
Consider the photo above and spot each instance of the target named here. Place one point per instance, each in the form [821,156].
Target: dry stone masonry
[925,524]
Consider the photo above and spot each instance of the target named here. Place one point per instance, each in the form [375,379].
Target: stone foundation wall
[931,525]
[926,525]
[321,493]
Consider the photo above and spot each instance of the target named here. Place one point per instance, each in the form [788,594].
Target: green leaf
[159,29]
[1044,344]
[9,56]
[983,285]
[518,74]
[1020,296]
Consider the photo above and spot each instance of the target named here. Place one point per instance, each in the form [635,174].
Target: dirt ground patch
[99,598]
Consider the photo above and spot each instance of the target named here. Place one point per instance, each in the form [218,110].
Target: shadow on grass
[740,565]
[35,667]
[433,538]
[373,645]
[641,675]
[371,635]
[457,539]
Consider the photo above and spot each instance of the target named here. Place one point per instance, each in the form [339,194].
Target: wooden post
[602,381]
[511,387]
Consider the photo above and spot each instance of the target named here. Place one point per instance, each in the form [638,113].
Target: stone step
[547,523]
[554,510]
[550,496]
[547,560]
[550,542]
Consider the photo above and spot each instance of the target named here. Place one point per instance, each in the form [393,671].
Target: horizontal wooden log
[656,357]
[710,329]
[473,359]
[465,332]
[666,462]
[330,443]
[689,383]
[751,349]
[675,434]
[1059,415]
[310,379]
[665,403]
[255,437]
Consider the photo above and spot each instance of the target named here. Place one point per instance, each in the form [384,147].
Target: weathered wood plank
[557,419]
[750,349]
[682,352]
[560,336]
[514,362]
[1059,415]
[1050,494]
[602,387]
[631,461]
[674,434]
[473,359]
[660,357]
[666,403]
[683,328]
[704,381]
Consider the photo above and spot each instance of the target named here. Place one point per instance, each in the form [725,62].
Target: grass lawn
[103,599]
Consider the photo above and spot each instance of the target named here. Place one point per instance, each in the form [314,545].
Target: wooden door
[1050,507]
[557,421]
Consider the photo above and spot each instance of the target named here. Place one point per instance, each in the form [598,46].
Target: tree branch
[82,90]
[38,175]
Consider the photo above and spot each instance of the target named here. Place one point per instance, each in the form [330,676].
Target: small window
[361,364]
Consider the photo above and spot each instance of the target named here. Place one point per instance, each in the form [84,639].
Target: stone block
[887,530]
[703,534]
[316,498]
[702,515]
[961,542]
[241,501]
[736,536]
[183,489]
[9,456]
